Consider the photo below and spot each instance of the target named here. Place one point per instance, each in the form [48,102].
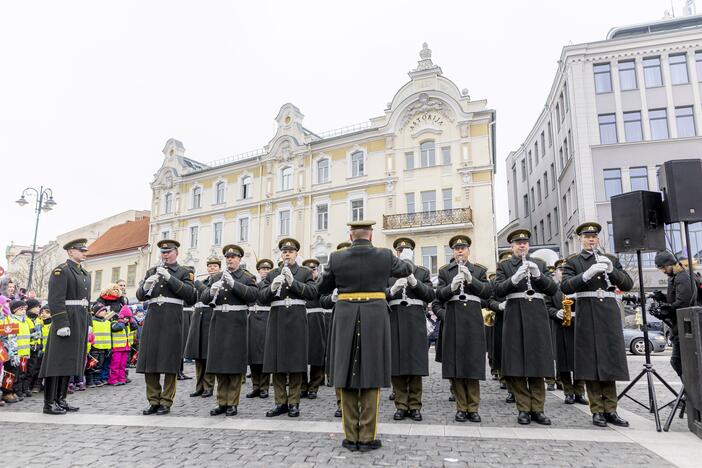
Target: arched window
[219,192]
[357,164]
[168,203]
[323,170]
[286,178]
[427,150]
[197,197]
[246,187]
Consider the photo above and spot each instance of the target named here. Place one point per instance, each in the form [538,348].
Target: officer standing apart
[64,356]
[231,291]
[258,319]
[317,340]
[361,329]
[407,298]
[167,288]
[527,357]
[679,295]
[196,347]
[461,287]
[600,358]
[286,290]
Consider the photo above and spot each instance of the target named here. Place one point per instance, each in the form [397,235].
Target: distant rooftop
[668,24]
[121,238]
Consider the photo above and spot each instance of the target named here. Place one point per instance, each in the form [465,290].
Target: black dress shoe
[277,410]
[347,444]
[63,404]
[523,418]
[452,397]
[337,413]
[53,408]
[581,400]
[232,411]
[163,410]
[614,418]
[569,399]
[473,417]
[312,395]
[294,411]
[256,392]
[197,393]
[264,393]
[151,409]
[392,396]
[461,416]
[206,394]
[540,418]
[550,387]
[599,420]
[220,409]
[510,398]
[368,446]
[399,415]
[304,394]
[415,414]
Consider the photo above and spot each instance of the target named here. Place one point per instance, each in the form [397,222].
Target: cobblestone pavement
[312,440]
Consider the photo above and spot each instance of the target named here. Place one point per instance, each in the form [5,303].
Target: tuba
[567,311]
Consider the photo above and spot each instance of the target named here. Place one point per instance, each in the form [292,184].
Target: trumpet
[461,292]
[279,291]
[530,290]
[567,311]
[610,286]
[151,289]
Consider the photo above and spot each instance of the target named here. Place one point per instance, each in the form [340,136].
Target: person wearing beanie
[33,307]
[101,347]
[121,326]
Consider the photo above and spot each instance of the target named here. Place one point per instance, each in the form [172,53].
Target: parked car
[634,341]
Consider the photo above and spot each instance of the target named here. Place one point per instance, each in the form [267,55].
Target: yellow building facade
[424,169]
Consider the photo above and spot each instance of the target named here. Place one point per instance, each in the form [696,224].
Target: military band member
[498,304]
[361,330]
[317,340]
[461,287]
[196,347]
[167,288]
[286,289]
[527,357]
[187,318]
[407,298]
[564,350]
[258,319]
[231,292]
[64,356]
[600,358]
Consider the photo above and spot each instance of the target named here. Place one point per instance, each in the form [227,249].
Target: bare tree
[42,270]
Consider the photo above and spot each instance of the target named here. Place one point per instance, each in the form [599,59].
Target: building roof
[121,238]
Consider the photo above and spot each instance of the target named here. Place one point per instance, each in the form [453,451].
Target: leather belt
[409,302]
[231,307]
[161,299]
[78,302]
[599,294]
[315,310]
[522,295]
[259,308]
[468,297]
[361,296]
[287,302]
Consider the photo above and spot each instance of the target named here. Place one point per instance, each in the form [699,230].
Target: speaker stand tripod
[648,369]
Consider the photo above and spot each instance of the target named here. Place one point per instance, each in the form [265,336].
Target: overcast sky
[90,91]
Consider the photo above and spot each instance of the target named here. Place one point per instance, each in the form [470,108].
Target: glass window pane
[603,80]
[429,259]
[632,126]
[627,75]
[613,182]
[639,178]
[608,129]
[659,124]
[409,197]
[447,195]
[429,200]
[446,155]
[409,160]
[678,69]
[685,121]
[652,72]
[357,164]
[428,154]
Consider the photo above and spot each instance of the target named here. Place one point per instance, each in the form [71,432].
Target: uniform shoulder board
[59,269]
[420,267]
[443,267]
[572,256]
[248,273]
[480,265]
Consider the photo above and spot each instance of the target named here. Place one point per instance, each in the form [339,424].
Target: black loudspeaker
[690,332]
[637,221]
[679,180]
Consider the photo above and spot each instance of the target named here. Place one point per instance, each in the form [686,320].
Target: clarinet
[610,286]
[461,292]
[530,290]
[151,289]
[280,290]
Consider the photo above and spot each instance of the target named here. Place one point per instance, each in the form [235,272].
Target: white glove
[335,295]
[227,276]
[466,273]
[150,281]
[216,286]
[502,305]
[63,331]
[162,271]
[594,270]
[407,254]
[412,280]
[559,314]
[456,282]
[520,274]
[534,269]
[277,283]
[606,261]
[399,284]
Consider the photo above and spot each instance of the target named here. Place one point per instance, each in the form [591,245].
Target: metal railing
[237,157]
[428,218]
[344,130]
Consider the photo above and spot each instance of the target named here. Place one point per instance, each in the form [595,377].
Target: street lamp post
[44,202]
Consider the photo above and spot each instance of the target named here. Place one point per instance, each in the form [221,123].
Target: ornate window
[322,167]
[197,197]
[219,192]
[168,203]
[286,174]
[427,151]
[246,187]
[357,164]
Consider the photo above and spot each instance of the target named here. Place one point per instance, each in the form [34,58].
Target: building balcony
[427,221]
